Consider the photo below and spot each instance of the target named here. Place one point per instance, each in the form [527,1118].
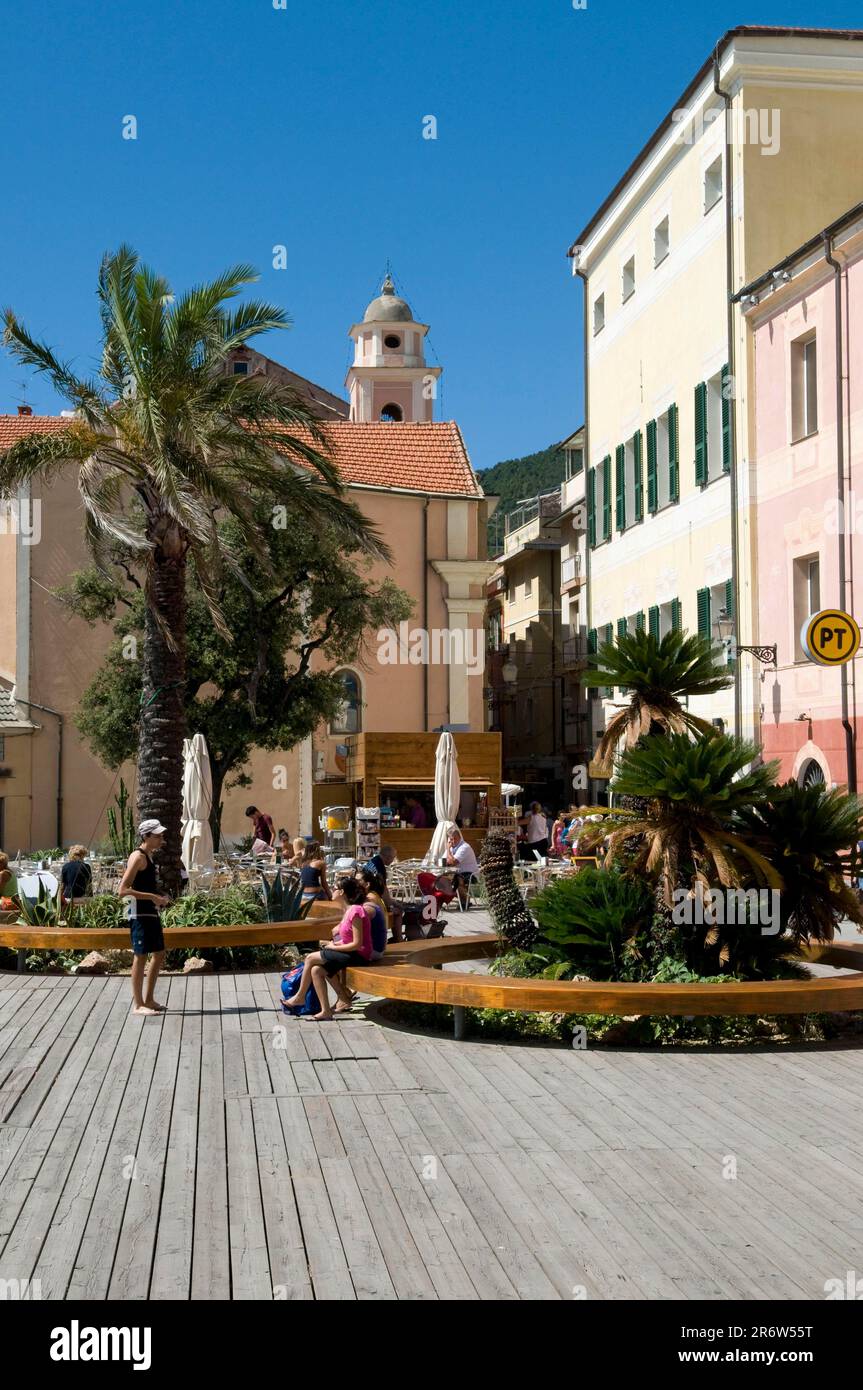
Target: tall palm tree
[164,440]
[659,675]
[693,792]
[811,835]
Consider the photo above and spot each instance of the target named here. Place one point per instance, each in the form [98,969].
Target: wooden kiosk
[385,769]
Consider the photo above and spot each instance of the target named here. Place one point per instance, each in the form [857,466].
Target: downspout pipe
[426,608]
[835,266]
[732,403]
[46,709]
[582,690]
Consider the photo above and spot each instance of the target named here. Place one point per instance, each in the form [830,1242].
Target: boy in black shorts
[140,889]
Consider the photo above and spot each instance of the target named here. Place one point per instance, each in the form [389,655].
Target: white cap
[150,827]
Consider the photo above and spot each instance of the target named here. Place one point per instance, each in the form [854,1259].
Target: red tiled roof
[413,456]
[15,427]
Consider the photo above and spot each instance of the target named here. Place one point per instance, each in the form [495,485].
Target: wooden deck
[215,1154]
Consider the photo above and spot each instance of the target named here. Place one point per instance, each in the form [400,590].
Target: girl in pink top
[351,945]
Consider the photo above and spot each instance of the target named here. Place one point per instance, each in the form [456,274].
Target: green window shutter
[652,490]
[729,598]
[676,615]
[606,497]
[620,485]
[639,475]
[704,612]
[726,421]
[701,433]
[609,632]
[591,507]
[653,621]
[639,622]
[673,455]
[621,627]
[591,642]
[608,690]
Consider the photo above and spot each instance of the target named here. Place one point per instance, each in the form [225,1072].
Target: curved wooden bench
[409,973]
[319,922]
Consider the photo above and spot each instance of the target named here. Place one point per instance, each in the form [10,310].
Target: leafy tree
[269,683]
[166,424]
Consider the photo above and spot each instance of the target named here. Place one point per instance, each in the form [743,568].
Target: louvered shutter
[591,507]
[606,497]
[701,433]
[704,612]
[653,622]
[620,486]
[639,477]
[676,615]
[639,622]
[652,489]
[726,421]
[673,455]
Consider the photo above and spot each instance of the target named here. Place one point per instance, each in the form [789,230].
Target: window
[712,428]
[664,618]
[629,480]
[393,342]
[348,720]
[598,314]
[528,586]
[806,584]
[599,502]
[662,461]
[392,414]
[804,388]
[629,279]
[661,241]
[241,369]
[574,462]
[713,184]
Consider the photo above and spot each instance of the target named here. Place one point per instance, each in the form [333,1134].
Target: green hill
[515,479]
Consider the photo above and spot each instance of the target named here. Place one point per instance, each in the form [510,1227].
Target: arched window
[392,414]
[811,774]
[349,719]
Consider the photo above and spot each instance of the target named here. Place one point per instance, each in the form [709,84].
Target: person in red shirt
[262,825]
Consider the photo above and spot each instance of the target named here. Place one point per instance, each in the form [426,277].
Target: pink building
[804,507]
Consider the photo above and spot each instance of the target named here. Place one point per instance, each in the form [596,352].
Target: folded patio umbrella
[197,800]
[447,793]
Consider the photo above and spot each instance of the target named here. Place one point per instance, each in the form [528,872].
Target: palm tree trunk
[163,720]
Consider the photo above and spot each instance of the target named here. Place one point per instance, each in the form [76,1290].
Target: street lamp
[763,652]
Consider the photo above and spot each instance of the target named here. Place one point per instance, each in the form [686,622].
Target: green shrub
[596,923]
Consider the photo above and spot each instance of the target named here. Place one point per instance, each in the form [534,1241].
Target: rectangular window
[574,463]
[661,242]
[241,369]
[629,279]
[598,314]
[528,586]
[713,184]
[804,388]
[806,581]
[712,441]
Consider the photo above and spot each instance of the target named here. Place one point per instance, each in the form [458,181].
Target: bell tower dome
[389,379]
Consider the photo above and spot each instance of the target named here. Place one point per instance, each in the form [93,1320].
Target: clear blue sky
[303,126]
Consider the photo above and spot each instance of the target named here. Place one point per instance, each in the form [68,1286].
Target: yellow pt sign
[830,637]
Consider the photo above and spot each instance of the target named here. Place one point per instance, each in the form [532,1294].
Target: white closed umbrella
[447,794]
[197,801]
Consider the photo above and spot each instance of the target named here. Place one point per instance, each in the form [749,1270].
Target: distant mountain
[513,480]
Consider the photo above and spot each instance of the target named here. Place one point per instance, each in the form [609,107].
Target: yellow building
[764,147]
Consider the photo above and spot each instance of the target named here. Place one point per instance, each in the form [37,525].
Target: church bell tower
[388,379]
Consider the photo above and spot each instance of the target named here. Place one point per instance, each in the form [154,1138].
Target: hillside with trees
[515,479]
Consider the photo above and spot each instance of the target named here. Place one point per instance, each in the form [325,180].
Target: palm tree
[811,834]
[694,791]
[659,675]
[165,440]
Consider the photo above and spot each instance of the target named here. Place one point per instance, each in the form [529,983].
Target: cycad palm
[658,675]
[163,441]
[694,791]
[811,835]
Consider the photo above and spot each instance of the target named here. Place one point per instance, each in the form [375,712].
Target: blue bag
[290,980]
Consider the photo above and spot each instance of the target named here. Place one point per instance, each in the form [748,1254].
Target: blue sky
[259,126]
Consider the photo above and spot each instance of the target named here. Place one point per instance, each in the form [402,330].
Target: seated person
[7,878]
[351,945]
[76,877]
[379,863]
[313,874]
[374,890]
[460,853]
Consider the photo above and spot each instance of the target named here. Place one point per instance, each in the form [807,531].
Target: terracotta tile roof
[413,456]
[15,427]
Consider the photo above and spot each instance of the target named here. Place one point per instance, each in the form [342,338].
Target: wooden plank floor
[222,1151]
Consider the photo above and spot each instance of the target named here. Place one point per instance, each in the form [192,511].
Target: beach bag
[290,980]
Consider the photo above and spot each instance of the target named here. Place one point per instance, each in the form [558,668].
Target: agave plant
[694,791]
[659,675]
[283,896]
[44,910]
[811,835]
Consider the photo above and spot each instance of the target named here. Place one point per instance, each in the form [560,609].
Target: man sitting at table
[460,854]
